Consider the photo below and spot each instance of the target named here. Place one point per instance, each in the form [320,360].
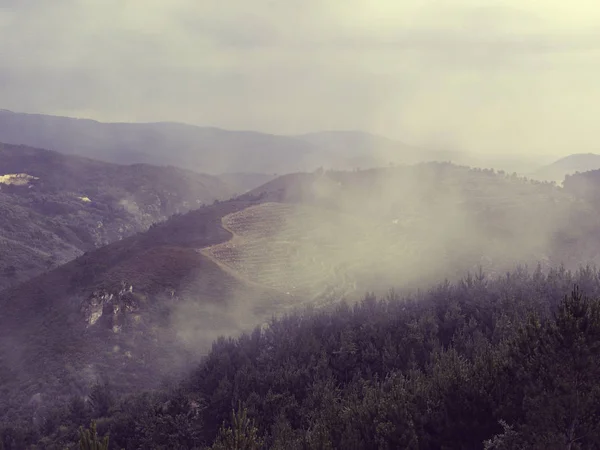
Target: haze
[299,224]
[505,77]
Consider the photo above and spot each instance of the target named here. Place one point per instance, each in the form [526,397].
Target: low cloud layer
[506,76]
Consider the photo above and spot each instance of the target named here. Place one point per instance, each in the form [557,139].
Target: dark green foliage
[174,424]
[241,434]
[89,440]
[555,371]
[501,364]
[78,411]
[101,399]
[16,437]
[166,420]
[509,439]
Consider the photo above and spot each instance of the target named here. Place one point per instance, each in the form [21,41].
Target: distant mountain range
[360,149]
[54,207]
[206,149]
[579,162]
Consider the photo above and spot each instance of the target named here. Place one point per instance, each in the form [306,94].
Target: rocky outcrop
[109,308]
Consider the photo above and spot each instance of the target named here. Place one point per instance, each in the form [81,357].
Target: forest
[503,362]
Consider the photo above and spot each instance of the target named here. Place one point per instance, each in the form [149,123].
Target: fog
[339,235]
[504,77]
[512,85]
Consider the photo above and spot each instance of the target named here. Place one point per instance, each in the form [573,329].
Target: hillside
[151,304]
[580,162]
[54,207]
[133,310]
[585,185]
[207,149]
[494,363]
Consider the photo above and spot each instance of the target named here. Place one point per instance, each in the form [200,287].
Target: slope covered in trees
[504,363]
[584,185]
[149,305]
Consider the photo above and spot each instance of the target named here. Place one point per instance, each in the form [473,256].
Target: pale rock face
[93,308]
[95,315]
[100,303]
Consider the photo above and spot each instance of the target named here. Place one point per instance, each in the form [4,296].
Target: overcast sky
[481,75]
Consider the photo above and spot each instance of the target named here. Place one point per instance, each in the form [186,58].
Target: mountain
[580,162]
[207,149]
[54,207]
[149,305]
[203,149]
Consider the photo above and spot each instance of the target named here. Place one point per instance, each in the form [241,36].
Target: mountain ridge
[576,162]
[210,150]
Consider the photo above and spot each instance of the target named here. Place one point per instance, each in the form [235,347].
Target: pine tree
[89,440]
[241,435]
[556,366]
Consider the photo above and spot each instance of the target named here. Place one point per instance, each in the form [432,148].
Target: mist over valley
[299,225]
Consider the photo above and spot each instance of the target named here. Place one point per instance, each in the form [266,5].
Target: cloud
[497,76]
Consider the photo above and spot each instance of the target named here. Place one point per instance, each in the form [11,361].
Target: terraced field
[309,252]
[317,255]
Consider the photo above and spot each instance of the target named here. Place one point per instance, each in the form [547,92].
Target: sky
[485,76]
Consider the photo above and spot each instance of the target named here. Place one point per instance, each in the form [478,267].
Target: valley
[299,225]
[163,295]
[150,305]
[55,207]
